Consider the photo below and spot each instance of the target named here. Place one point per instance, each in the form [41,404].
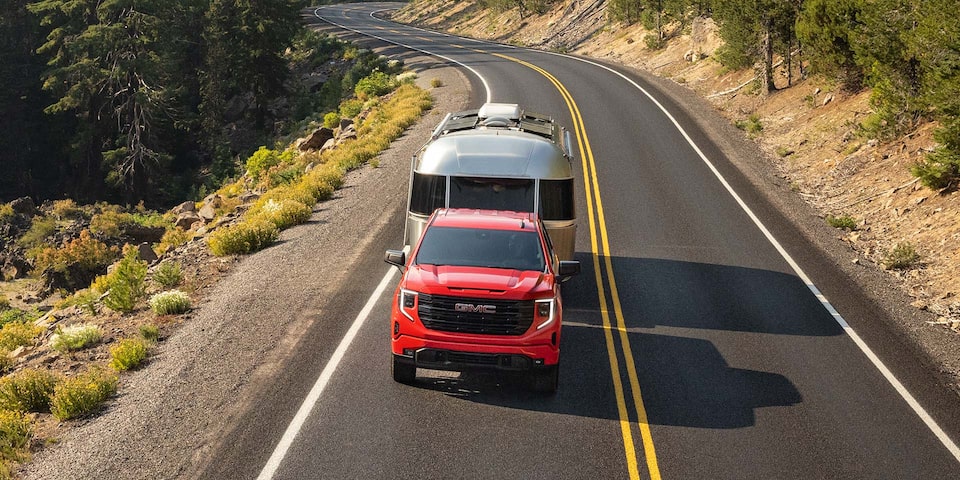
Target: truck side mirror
[568,268]
[398,258]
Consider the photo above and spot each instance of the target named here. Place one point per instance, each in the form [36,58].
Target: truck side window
[556,199]
[428,193]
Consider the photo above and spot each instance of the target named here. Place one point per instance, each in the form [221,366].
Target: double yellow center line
[598,227]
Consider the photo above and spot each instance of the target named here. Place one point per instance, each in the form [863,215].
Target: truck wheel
[546,380]
[403,372]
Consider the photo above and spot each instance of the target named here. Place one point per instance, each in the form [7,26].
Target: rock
[329,145]
[146,253]
[816,91]
[186,220]
[141,233]
[184,207]
[872,142]
[308,167]
[919,304]
[17,352]
[250,197]
[207,212]
[345,122]
[316,139]
[213,199]
[827,99]
[24,205]
[13,266]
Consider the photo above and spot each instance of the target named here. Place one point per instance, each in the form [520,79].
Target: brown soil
[809,133]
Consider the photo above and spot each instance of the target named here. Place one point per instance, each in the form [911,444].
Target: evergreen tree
[828,30]
[29,139]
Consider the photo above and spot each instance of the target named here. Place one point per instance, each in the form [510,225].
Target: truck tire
[545,380]
[403,372]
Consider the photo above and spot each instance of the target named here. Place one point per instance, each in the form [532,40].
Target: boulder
[24,205]
[329,144]
[146,253]
[188,206]
[316,139]
[213,199]
[186,220]
[345,122]
[207,212]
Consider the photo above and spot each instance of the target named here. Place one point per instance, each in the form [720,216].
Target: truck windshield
[492,193]
[469,247]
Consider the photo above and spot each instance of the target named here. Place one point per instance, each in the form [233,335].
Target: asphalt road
[692,348]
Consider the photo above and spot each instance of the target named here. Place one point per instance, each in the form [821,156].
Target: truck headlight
[407,303]
[545,312]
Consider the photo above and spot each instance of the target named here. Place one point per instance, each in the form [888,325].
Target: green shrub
[15,433]
[150,332]
[19,316]
[28,390]
[751,125]
[172,238]
[784,151]
[940,169]
[4,302]
[250,235]
[16,334]
[78,260]
[168,274]
[350,108]
[264,159]
[125,285]
[86,299]
[83,394]
[171,302]
[436,82]
[66,209]
[6,212]
[41,227]
[901,257]
[75,337]
[407,77]
[845,222]
[331,120]
[374,85]
[286,213]
[128,354]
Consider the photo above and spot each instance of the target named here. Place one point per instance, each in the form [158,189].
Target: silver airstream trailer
[499,157]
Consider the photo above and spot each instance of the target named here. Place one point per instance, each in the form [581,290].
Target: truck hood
[448,279]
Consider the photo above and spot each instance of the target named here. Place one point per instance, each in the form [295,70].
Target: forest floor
[808,129]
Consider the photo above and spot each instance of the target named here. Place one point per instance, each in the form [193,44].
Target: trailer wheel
[403,372]
[545,380]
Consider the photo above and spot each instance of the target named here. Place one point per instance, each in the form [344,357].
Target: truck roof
[484,219]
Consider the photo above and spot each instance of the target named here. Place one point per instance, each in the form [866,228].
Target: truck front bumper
[465,356]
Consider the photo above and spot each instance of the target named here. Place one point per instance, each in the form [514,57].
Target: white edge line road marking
[486,86]
[308,403]
[867,351]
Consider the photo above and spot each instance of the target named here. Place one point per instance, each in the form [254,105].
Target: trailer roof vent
[509,111]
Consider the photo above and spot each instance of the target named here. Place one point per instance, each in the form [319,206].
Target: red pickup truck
[481,290]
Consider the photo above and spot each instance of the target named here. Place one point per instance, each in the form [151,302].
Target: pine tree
[828,30]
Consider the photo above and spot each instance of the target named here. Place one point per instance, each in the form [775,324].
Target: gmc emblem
[469,307]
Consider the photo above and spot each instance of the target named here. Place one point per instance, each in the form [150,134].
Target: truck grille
[508,317]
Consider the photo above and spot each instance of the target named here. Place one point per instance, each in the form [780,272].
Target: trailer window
[428,193]
[556,199]
[492,193]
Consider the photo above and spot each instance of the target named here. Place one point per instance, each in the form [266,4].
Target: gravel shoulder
[171,414]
